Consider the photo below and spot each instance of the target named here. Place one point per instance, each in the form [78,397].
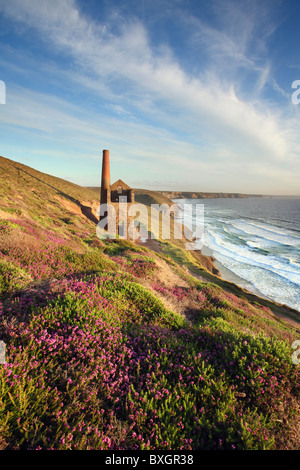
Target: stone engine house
[119,195]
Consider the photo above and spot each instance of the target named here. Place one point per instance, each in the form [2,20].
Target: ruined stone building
[119,195]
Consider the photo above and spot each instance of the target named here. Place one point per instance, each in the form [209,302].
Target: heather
[89,368]
[96,361]
[110,345]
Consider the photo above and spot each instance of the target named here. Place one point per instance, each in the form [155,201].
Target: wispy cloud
[116,60]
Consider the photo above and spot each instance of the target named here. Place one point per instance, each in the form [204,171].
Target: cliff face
[201,195]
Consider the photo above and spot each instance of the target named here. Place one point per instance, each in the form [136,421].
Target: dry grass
[20,241]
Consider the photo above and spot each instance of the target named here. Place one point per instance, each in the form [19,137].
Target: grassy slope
[144,196]
[111,345]
[148,198]
[201,265]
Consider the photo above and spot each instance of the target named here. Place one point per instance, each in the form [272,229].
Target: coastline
[224,272]
[230,276]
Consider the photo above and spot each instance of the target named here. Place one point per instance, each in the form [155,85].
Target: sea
[255,242]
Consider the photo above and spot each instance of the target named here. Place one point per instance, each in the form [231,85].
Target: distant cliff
[200,195]
[146,196]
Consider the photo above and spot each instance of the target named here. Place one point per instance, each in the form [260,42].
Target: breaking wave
[265,255]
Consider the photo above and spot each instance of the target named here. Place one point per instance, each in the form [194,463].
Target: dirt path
[151,243]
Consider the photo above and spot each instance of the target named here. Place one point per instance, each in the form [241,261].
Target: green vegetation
[145,196]
[110,345]
[151,197]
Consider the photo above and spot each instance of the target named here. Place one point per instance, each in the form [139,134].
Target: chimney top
[105,182]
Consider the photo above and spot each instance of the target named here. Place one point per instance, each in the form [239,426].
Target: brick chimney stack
[105,180]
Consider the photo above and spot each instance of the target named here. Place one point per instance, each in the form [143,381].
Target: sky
[193,95]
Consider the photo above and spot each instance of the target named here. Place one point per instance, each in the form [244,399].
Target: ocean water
[258,240]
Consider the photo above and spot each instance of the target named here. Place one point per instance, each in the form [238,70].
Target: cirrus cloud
[146,86]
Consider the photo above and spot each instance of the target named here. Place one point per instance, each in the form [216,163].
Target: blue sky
[187,95]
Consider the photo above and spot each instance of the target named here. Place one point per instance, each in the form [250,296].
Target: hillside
[145,196]
[119,345]
[198,264]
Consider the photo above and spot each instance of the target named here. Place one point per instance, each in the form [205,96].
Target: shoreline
[229,281]
[230,276]
[227,275]
[281,311]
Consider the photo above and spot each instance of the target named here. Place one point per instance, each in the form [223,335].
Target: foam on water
[274,277]
[266,232]
[245,255]
[264,255]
